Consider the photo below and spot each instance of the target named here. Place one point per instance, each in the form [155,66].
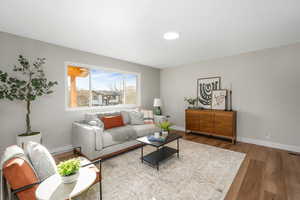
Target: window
[96,87]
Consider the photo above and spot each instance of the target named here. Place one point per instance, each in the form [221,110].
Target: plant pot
[164,133]
[70,179]
[23,139]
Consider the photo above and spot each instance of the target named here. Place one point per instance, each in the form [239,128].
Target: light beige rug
[201,173]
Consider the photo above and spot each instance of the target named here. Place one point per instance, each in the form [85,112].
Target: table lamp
[157,105]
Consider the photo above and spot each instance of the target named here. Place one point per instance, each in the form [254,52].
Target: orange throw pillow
[19,173]
[112,121]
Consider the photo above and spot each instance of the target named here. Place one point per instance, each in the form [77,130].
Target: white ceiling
[133,30]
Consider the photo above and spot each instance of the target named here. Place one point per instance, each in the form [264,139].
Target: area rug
[202,172]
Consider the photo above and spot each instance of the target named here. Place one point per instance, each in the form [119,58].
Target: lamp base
[157,111]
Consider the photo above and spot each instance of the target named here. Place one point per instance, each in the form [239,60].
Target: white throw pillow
[148,116]
[41,160]
[93,123]
[136,118]
[126,117]
[93,117]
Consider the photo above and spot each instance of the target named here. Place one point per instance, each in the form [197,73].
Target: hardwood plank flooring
[252,182]
[291,172]
[265,174]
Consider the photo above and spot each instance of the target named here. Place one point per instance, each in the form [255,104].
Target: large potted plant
[27,85]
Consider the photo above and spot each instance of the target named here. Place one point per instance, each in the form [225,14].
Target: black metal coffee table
[162,152]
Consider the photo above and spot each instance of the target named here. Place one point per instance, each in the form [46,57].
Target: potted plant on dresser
[29,83]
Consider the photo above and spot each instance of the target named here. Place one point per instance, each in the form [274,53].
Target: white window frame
[120,106]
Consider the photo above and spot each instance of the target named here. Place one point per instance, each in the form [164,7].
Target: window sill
[104,108]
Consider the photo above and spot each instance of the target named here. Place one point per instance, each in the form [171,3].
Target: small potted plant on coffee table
[69,170]
[165,127]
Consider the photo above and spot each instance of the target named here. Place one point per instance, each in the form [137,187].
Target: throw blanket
[122,134]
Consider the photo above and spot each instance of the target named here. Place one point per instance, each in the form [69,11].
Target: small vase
[70,179]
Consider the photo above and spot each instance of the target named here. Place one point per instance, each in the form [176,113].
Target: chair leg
[100,179]
[100,183]
[9,193]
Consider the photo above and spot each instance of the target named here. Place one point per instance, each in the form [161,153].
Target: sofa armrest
[89,138]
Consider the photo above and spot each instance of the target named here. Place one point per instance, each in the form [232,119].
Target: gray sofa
[97,142]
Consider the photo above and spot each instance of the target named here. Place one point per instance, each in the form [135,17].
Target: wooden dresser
[211,122]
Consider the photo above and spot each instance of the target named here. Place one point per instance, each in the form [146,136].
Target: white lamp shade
[157,102]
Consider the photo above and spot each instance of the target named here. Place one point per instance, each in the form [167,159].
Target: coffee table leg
[142,153]
[177,148]
[157,164]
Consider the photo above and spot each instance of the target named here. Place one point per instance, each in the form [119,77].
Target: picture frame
[205,86]
[219,99]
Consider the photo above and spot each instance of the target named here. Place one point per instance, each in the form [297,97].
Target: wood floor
[265,174]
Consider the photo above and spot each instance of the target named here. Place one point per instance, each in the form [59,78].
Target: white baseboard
[178,128]
[257,142]
[275,145]
[61,149]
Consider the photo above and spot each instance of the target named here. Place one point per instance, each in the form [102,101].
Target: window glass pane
[130,89]
[78,86]
[97,87]
[107,87]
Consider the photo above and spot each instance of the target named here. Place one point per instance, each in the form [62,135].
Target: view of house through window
[97,87]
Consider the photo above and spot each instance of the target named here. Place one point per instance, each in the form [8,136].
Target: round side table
[53,189]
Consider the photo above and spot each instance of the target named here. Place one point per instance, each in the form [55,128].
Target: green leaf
[68,167]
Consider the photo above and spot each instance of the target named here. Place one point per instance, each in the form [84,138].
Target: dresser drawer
[224,123]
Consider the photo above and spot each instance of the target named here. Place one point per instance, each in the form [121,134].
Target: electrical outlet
[268,135]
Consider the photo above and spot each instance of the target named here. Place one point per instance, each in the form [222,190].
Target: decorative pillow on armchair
[41,160]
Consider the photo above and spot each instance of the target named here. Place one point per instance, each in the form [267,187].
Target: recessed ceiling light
[171,35]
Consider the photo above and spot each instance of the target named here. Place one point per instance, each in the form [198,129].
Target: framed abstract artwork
[218,101]
[205,86]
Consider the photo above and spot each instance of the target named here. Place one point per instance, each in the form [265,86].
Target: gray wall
[266,91]
[48,113]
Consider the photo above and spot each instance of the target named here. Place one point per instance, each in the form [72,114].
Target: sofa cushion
[18,173]
[146,129]
[107,140]
[112,121]
[41,160]
[118,135]
[136,118]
